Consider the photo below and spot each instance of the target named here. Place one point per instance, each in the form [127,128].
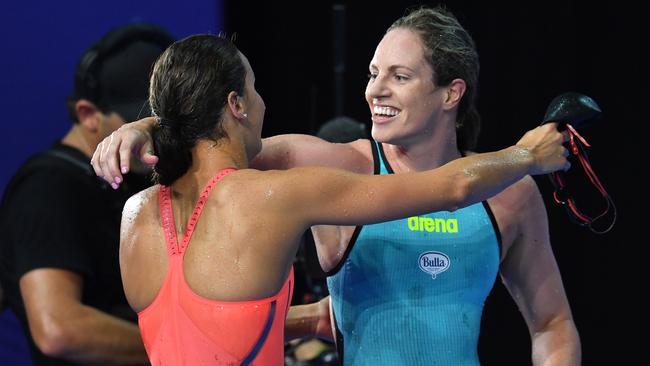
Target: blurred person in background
[60,224]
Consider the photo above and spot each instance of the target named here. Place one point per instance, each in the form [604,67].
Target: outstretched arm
[344,198]
[131,146]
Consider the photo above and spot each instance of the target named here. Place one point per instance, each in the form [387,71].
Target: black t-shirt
[57,213]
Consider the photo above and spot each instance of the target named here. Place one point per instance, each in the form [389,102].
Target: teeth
[386,111]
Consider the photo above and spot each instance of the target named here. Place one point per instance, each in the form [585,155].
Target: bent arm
[131,146]
[531,275]
[63,327]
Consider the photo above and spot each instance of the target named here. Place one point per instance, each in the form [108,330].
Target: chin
[381,134]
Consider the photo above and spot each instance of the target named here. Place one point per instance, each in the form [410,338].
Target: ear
[455,92]
[88,114]
[236,105]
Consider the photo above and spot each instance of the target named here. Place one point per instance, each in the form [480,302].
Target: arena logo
[434,263]
[438,225]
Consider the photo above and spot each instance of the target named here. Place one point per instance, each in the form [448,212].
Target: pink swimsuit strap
[167,217]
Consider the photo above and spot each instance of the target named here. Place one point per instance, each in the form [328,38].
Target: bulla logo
[438,225]
[433,263]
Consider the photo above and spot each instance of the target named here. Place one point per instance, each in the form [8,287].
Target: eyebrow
[394,67]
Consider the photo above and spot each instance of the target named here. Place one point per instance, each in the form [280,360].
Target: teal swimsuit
[411,291]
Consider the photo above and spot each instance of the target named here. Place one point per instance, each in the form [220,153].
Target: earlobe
[88,114]
[236,106]
[455,92]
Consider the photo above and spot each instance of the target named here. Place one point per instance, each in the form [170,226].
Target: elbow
[461,194]
[52,339]
[557,342]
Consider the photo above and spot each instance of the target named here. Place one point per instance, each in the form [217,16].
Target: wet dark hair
[451,52]
[189,88]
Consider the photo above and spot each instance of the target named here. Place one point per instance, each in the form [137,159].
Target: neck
[80,140]
[209,157]
[427,152]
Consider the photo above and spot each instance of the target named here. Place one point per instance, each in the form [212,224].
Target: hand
[324,325]
[112,157]
[545,143]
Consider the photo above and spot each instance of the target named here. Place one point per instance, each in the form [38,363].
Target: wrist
[145,124]
[522,156]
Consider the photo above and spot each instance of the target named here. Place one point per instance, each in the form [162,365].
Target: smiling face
[403,100]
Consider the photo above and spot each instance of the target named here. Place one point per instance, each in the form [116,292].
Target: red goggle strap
[560,194]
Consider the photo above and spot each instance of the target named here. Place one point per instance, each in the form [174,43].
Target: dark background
[530,52]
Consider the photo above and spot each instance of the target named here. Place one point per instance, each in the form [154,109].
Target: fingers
[113,156]
[554,125]
[124,154]
[95,161]
[146,154]
[566,136]
[565,152]
[549,146]
[109,160]
[104,161]
[100,166]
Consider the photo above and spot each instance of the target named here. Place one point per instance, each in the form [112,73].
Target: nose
[376,88]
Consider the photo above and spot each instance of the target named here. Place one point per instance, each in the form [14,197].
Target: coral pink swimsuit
[182,328]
